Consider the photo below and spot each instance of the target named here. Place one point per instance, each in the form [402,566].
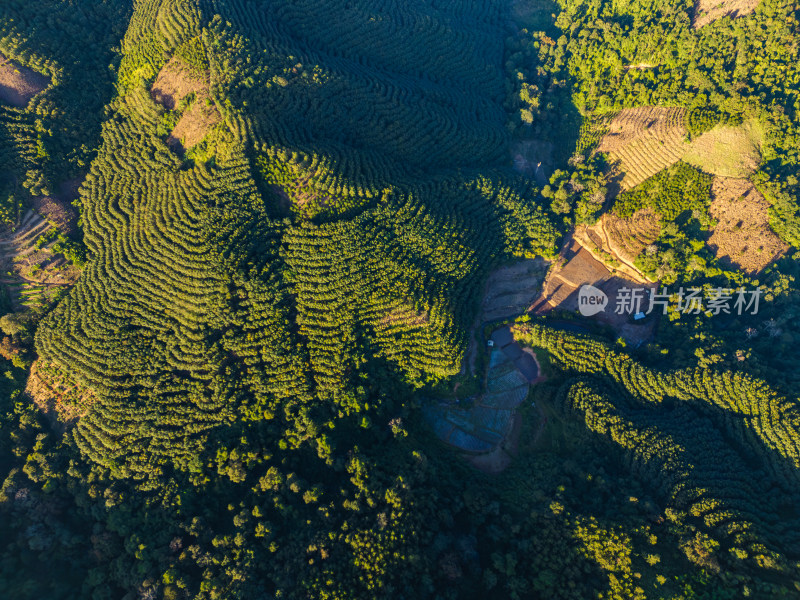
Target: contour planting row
[371,113]
[141,328]
[726,397]
[695,471]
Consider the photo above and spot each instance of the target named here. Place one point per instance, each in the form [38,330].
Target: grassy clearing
[727,151]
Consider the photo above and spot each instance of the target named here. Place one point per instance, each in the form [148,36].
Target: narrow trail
[9,281]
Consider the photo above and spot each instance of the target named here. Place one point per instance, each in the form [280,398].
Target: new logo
[591,300]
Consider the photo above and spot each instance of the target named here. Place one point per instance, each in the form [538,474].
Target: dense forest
[287,214]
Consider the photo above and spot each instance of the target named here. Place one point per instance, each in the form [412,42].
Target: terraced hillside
[644,140]
[618,242]
[294,216]
[293,310]
[724,432]
[583,261]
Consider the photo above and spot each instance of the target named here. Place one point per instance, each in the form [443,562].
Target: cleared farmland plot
[175,82]
[579,265]
[533,159]
[18,84]
[708,11]
[742,235]
[32,270]
[486,425]
[510,290]
[643,141]
[628,237]
[616,242]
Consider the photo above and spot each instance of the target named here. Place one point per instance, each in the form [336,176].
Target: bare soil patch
[174,83]
[18,84]
[405,316]
[643,66]
[742,236]
[708,11]
[510,291]
[60,400]
[578,266]
[301,193]
[195,124]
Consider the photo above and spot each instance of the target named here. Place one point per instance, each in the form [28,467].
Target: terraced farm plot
[511,290]
[708,11]
[616,242]
[18,84]
[742,236]
[644,140]
[578,266]
[628,237]
[32,271]
[486,430]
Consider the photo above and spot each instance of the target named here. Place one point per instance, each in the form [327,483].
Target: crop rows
[138,329]
[694,469]
[645,140]
[746,407]
[342,100]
